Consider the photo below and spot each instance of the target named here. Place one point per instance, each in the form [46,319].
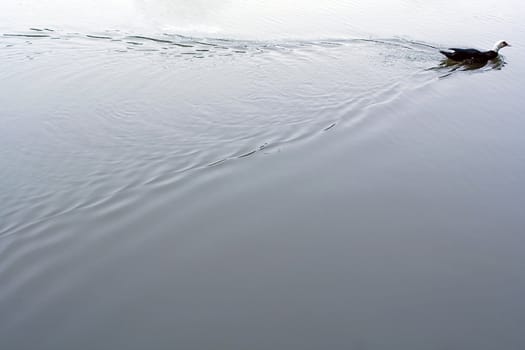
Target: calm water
[246,175]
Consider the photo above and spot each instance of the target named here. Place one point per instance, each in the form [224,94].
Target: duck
[473,55]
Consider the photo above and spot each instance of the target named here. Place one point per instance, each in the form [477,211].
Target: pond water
[260,175]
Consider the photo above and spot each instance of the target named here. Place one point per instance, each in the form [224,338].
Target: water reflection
[449,67]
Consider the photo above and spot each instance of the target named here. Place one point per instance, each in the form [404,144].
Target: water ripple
[105,123]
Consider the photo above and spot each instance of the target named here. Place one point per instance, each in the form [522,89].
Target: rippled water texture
[249,175]
[111,113]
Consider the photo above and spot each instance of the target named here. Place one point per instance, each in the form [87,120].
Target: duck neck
[496,47]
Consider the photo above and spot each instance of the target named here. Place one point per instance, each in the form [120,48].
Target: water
[260,175]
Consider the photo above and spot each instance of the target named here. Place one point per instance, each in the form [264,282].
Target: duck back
[457,54]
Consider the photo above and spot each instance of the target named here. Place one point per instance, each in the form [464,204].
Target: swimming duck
[474,55]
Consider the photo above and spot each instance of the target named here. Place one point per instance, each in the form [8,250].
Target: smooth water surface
[249,175]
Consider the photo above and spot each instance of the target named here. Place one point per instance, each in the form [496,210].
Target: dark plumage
[474,55]
[469,54]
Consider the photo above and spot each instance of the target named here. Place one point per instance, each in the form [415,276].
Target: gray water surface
[241,175]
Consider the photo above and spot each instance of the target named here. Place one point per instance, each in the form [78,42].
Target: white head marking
[499,45]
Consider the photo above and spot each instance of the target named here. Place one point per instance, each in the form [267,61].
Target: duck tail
[447,53]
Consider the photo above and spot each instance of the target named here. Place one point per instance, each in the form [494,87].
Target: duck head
[500,44]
